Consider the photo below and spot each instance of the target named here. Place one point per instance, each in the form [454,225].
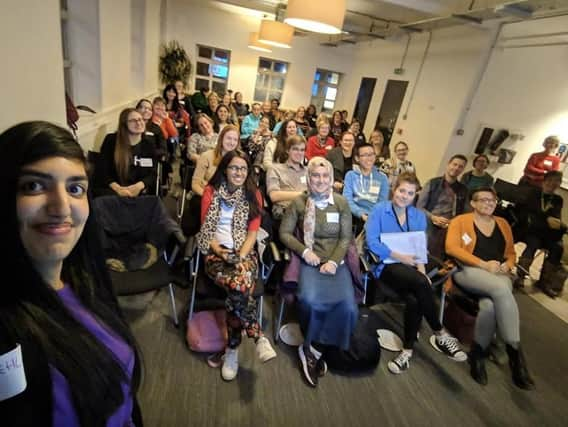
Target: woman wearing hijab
[326,299]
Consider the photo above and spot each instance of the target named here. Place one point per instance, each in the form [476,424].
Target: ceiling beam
[431,7]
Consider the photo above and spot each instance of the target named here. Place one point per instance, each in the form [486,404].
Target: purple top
[64,414]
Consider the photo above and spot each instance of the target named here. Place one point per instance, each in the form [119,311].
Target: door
[390,108]
[364,99]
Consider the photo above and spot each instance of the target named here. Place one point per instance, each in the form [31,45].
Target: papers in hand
[12,376]
[408,243]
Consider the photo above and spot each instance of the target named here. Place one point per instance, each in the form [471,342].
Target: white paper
[333,217]
[466,239]
[408,243]
[12,375]
[303,179]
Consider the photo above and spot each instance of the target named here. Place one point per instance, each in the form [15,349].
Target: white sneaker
[230,364]
[264,350]
[400,363]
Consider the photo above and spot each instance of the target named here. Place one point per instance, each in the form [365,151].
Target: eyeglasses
[486,200]
[235,168]
[136,120]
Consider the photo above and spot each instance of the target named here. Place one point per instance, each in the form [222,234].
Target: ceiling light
[275,33]
[319,16]
[256,45]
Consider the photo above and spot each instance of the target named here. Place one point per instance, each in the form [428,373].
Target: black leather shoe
[519,371]
[477,364]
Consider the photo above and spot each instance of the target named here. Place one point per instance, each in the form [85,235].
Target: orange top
[461,240]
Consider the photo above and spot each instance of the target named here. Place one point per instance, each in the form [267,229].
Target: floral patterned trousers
[239,281]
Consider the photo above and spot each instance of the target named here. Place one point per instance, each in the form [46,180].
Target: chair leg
[279,321]
[173,301]
[442,306]
[260,302]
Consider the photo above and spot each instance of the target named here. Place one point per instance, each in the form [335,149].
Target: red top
[314,148]
[167,125]
[538,164]
[207,198]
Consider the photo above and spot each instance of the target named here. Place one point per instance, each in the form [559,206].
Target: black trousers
[414,287]
[548,241]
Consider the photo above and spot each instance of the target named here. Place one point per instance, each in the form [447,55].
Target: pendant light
[256,45]
[275,33]
[318,16]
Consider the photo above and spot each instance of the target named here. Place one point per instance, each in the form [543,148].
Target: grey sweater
[332,233]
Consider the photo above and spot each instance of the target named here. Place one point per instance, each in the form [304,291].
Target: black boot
[476,360]
[547,277]
[521,376]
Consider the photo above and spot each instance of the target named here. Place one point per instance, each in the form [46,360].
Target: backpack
[207,331]
[364,351]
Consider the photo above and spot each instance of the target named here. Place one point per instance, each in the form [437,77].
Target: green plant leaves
[174,63]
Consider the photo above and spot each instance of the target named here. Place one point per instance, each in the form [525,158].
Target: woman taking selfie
[78,355]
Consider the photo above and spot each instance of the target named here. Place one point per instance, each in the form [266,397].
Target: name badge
[548,163]
[303,179]
[374,189]
[466,239]
[149,133]
[333,217]
[12,375]
[145,162]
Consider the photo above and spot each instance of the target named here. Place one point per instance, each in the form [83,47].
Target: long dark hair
[175,103]
[280,152]
[250,187]
[30,310]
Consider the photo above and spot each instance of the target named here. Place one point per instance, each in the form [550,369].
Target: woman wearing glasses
[317,227]
[230,218]
[399,163]
[127,161]
[484,243]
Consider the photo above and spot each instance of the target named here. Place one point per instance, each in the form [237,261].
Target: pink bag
[207,331]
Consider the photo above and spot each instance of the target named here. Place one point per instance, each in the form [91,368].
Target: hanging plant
[174,63]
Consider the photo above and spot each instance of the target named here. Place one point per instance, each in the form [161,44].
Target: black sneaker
[321,366]
[449,346]
[308,365]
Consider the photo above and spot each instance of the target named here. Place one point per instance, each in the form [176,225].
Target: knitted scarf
[239,225]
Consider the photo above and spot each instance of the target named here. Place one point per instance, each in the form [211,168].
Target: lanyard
[407,222]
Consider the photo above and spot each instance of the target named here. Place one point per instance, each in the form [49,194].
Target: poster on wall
[562,152]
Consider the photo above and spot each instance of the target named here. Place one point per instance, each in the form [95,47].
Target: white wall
[194,22]
[523,90]
[32,68]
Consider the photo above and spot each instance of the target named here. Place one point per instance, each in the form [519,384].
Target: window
[324,90]
[270,79]
[212,69]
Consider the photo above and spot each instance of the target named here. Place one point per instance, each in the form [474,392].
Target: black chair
[129,228]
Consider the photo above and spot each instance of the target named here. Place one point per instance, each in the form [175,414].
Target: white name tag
[548,163]
[374,189]
[466,239]
[145,162]
[12,375]
[303,179]
[333,217]
[149,133]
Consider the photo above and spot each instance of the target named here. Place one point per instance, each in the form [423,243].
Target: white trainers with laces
[264,350]
[230,364]
[449,346]
[400,363]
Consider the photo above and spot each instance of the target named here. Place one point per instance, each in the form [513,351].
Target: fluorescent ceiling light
[239,10]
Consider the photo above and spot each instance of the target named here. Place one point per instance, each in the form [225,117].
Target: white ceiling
[368,19]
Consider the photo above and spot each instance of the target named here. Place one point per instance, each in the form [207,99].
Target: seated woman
[255,145]
[364,186]
[484,243]
[230,217]
[540,163]
[338,125]
[203,140]
[222,118]
[477,177]
[399,163]
[377,140]
[286,181]
[302,121]
[228,140]
[78,355]
[405,275]
[355,129]
[327,309]
[127,160]
[176,112]
[322,142]
[275,150]
[341,158]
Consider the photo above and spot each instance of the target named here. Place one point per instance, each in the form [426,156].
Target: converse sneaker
[230,364]
[264,350]
[321,366]
[400,363]
[308,365]
[449,346]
